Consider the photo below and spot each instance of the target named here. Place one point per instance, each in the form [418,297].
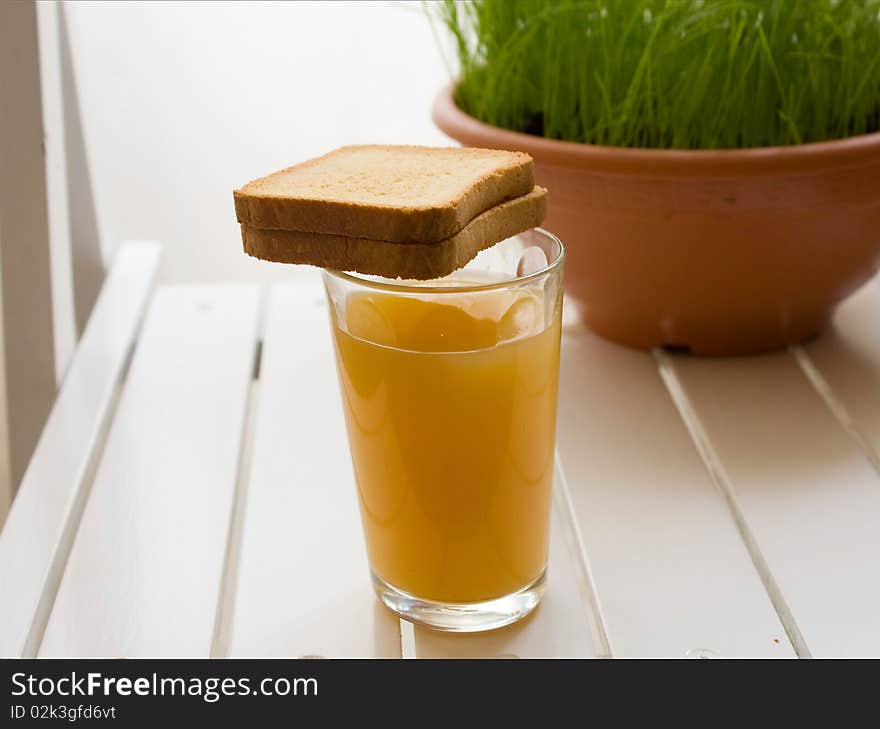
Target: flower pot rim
[853,151]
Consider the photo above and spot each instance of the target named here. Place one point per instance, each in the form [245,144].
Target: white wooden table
[196,498]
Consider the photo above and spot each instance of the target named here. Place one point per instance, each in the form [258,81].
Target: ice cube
[523,317]
[531,261]
[366,320]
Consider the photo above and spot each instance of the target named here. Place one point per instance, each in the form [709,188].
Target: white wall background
[183,102]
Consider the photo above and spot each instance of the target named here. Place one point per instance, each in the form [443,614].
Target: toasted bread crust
[394,259]
[507,175]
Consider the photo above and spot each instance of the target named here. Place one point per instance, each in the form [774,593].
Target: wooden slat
[807,494]
[36,539]
[559,628]
[303,582]
[672,575]
[54,95]
[144,573]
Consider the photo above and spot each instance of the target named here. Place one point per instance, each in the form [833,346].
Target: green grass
[670,74]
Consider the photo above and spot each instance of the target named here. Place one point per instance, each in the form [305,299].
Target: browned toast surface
[386,193]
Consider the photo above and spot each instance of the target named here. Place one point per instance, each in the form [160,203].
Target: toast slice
[394,259]
[391,193]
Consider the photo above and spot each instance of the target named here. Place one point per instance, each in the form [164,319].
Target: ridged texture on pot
[722,252]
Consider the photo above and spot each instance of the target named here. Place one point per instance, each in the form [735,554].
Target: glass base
[466,617]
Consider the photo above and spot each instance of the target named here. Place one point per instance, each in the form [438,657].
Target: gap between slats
[68,533]
[834,404]
[226,598]
[562,496]
[574,538]
[725,487]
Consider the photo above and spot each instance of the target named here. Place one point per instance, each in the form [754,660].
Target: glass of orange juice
[449,391]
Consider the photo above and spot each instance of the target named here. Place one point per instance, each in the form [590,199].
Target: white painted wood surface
[35,541]
[809,497]
[702,507]
[144,574]
[672,575]
[303,585]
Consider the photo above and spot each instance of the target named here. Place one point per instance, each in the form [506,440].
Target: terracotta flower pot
[722,252]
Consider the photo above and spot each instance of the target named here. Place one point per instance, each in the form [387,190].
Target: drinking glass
[449,391]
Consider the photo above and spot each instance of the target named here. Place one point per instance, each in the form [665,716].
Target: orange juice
[450,404]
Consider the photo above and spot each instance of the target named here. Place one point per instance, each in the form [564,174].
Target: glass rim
[389,285]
